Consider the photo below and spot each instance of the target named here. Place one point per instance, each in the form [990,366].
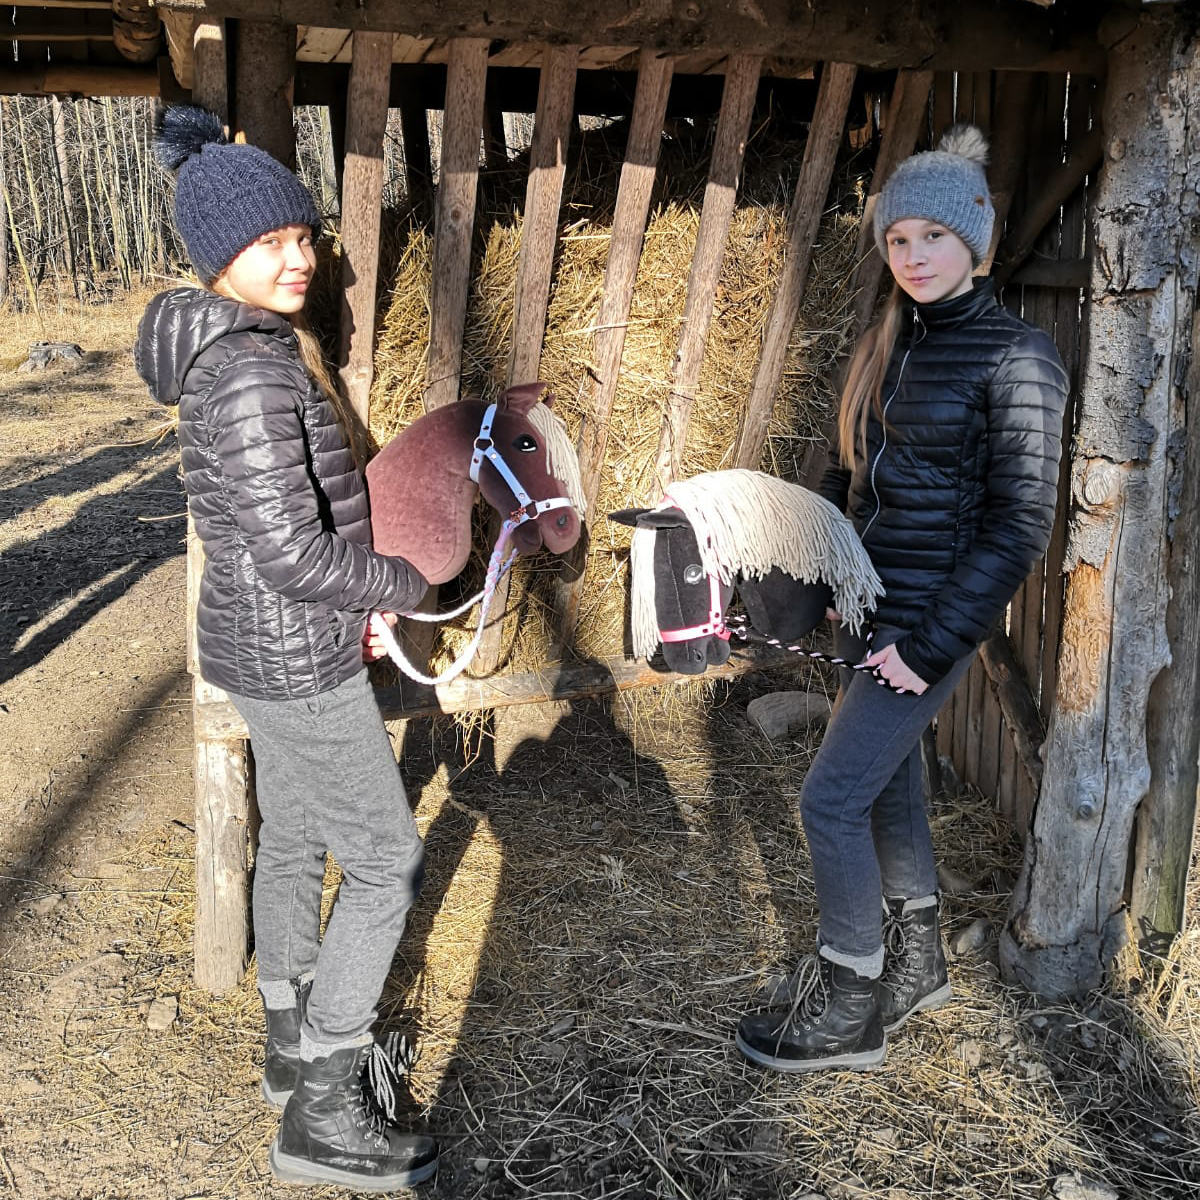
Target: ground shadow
[94,557]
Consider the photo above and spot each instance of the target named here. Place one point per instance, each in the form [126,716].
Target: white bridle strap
[528,509]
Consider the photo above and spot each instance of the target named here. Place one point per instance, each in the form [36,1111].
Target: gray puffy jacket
[281,509]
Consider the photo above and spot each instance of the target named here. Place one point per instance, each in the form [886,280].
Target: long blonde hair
[864,381]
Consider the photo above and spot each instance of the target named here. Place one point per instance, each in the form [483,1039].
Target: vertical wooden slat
[539,234]
[733,128]
[942,104]
[543,200]
[624,250]
[210,66]
[820,152]
[264,72]
[466,76]
[362,206]
[906,120]
[1009,147]
[983,99]
[977,692]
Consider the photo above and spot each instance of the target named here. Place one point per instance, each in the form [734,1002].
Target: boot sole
[276,1100]
[288,1169]
[925,1004]
[862,1060]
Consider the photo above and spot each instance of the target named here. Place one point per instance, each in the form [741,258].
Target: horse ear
[523,396]
[649,518]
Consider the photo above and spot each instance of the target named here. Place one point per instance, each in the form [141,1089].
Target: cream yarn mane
[560,454]
[746,523]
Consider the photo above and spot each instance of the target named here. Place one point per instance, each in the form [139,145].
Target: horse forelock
[643,618]
[561,460]
[748,522]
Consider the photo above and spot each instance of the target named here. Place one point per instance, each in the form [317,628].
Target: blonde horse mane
[561,458]
[748,522]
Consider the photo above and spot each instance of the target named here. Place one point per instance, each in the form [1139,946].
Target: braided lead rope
[498,564]
[740,628]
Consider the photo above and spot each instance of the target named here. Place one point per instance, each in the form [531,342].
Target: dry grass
[595,919]
[747,284]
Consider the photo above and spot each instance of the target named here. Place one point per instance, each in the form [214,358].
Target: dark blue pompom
[183,130]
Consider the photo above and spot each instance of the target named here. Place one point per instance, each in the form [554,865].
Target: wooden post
[264,67]
[210,67]
[624,250]
[543,199]
[224,799]
[539,236]
[362,205]
[733,127]
[820,153]
[1119,633]
[455,221]
[906,113]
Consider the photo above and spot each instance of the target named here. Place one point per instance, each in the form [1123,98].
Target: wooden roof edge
[963,35]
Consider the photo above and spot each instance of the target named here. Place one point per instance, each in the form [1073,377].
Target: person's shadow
[52,584]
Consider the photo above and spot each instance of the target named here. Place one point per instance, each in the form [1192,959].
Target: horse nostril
[562,521]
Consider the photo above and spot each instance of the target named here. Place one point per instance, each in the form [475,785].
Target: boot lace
[387,1064]
[896,965]
[810,995]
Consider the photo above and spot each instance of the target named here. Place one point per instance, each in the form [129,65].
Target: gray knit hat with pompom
[946,185]
[226,195]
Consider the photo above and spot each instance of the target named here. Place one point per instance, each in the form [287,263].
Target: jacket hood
[179,325]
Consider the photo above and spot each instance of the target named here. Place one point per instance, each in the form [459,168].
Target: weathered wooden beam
[1009,137]
[136,30]
[543,199]
[210,67]
[905,122]
[1069,274]
[220,721]
[178,28]
[1021,714]
[963,35]
[1082,160]
[362,207]
[31,25]
[264,60]
[720,194]
[454,225]
[79,79]
[624,252]
[1166,818]
[1067,916]
[820,152]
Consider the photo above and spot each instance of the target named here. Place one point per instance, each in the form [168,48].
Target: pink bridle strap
[713,627]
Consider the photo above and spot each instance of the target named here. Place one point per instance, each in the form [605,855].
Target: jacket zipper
[918,324]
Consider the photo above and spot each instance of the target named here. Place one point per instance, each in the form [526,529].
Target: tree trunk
[1067,916]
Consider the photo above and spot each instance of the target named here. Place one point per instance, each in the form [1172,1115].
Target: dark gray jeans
[863,802]
[327,781]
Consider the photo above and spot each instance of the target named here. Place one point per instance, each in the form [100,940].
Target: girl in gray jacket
[289,579]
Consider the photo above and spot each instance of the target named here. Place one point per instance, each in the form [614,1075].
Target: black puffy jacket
[954,500]
[281,509]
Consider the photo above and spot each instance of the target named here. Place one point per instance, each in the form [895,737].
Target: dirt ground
[600,907]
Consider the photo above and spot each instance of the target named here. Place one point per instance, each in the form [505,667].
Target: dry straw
[748,282]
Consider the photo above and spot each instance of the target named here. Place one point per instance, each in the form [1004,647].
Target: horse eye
[693,574]
[525,443]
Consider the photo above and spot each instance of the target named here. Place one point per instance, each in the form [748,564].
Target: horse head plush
[787,551]
[517,453]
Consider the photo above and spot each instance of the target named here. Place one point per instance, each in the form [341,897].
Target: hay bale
[749,275]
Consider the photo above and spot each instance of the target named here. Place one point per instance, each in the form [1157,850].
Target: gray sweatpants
[327,781]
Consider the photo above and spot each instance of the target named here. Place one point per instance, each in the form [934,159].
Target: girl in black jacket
[947,463]
[289,579]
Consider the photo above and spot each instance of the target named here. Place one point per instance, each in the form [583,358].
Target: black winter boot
[833,1022]
[283,1047]
[914,964]
[329,1133]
